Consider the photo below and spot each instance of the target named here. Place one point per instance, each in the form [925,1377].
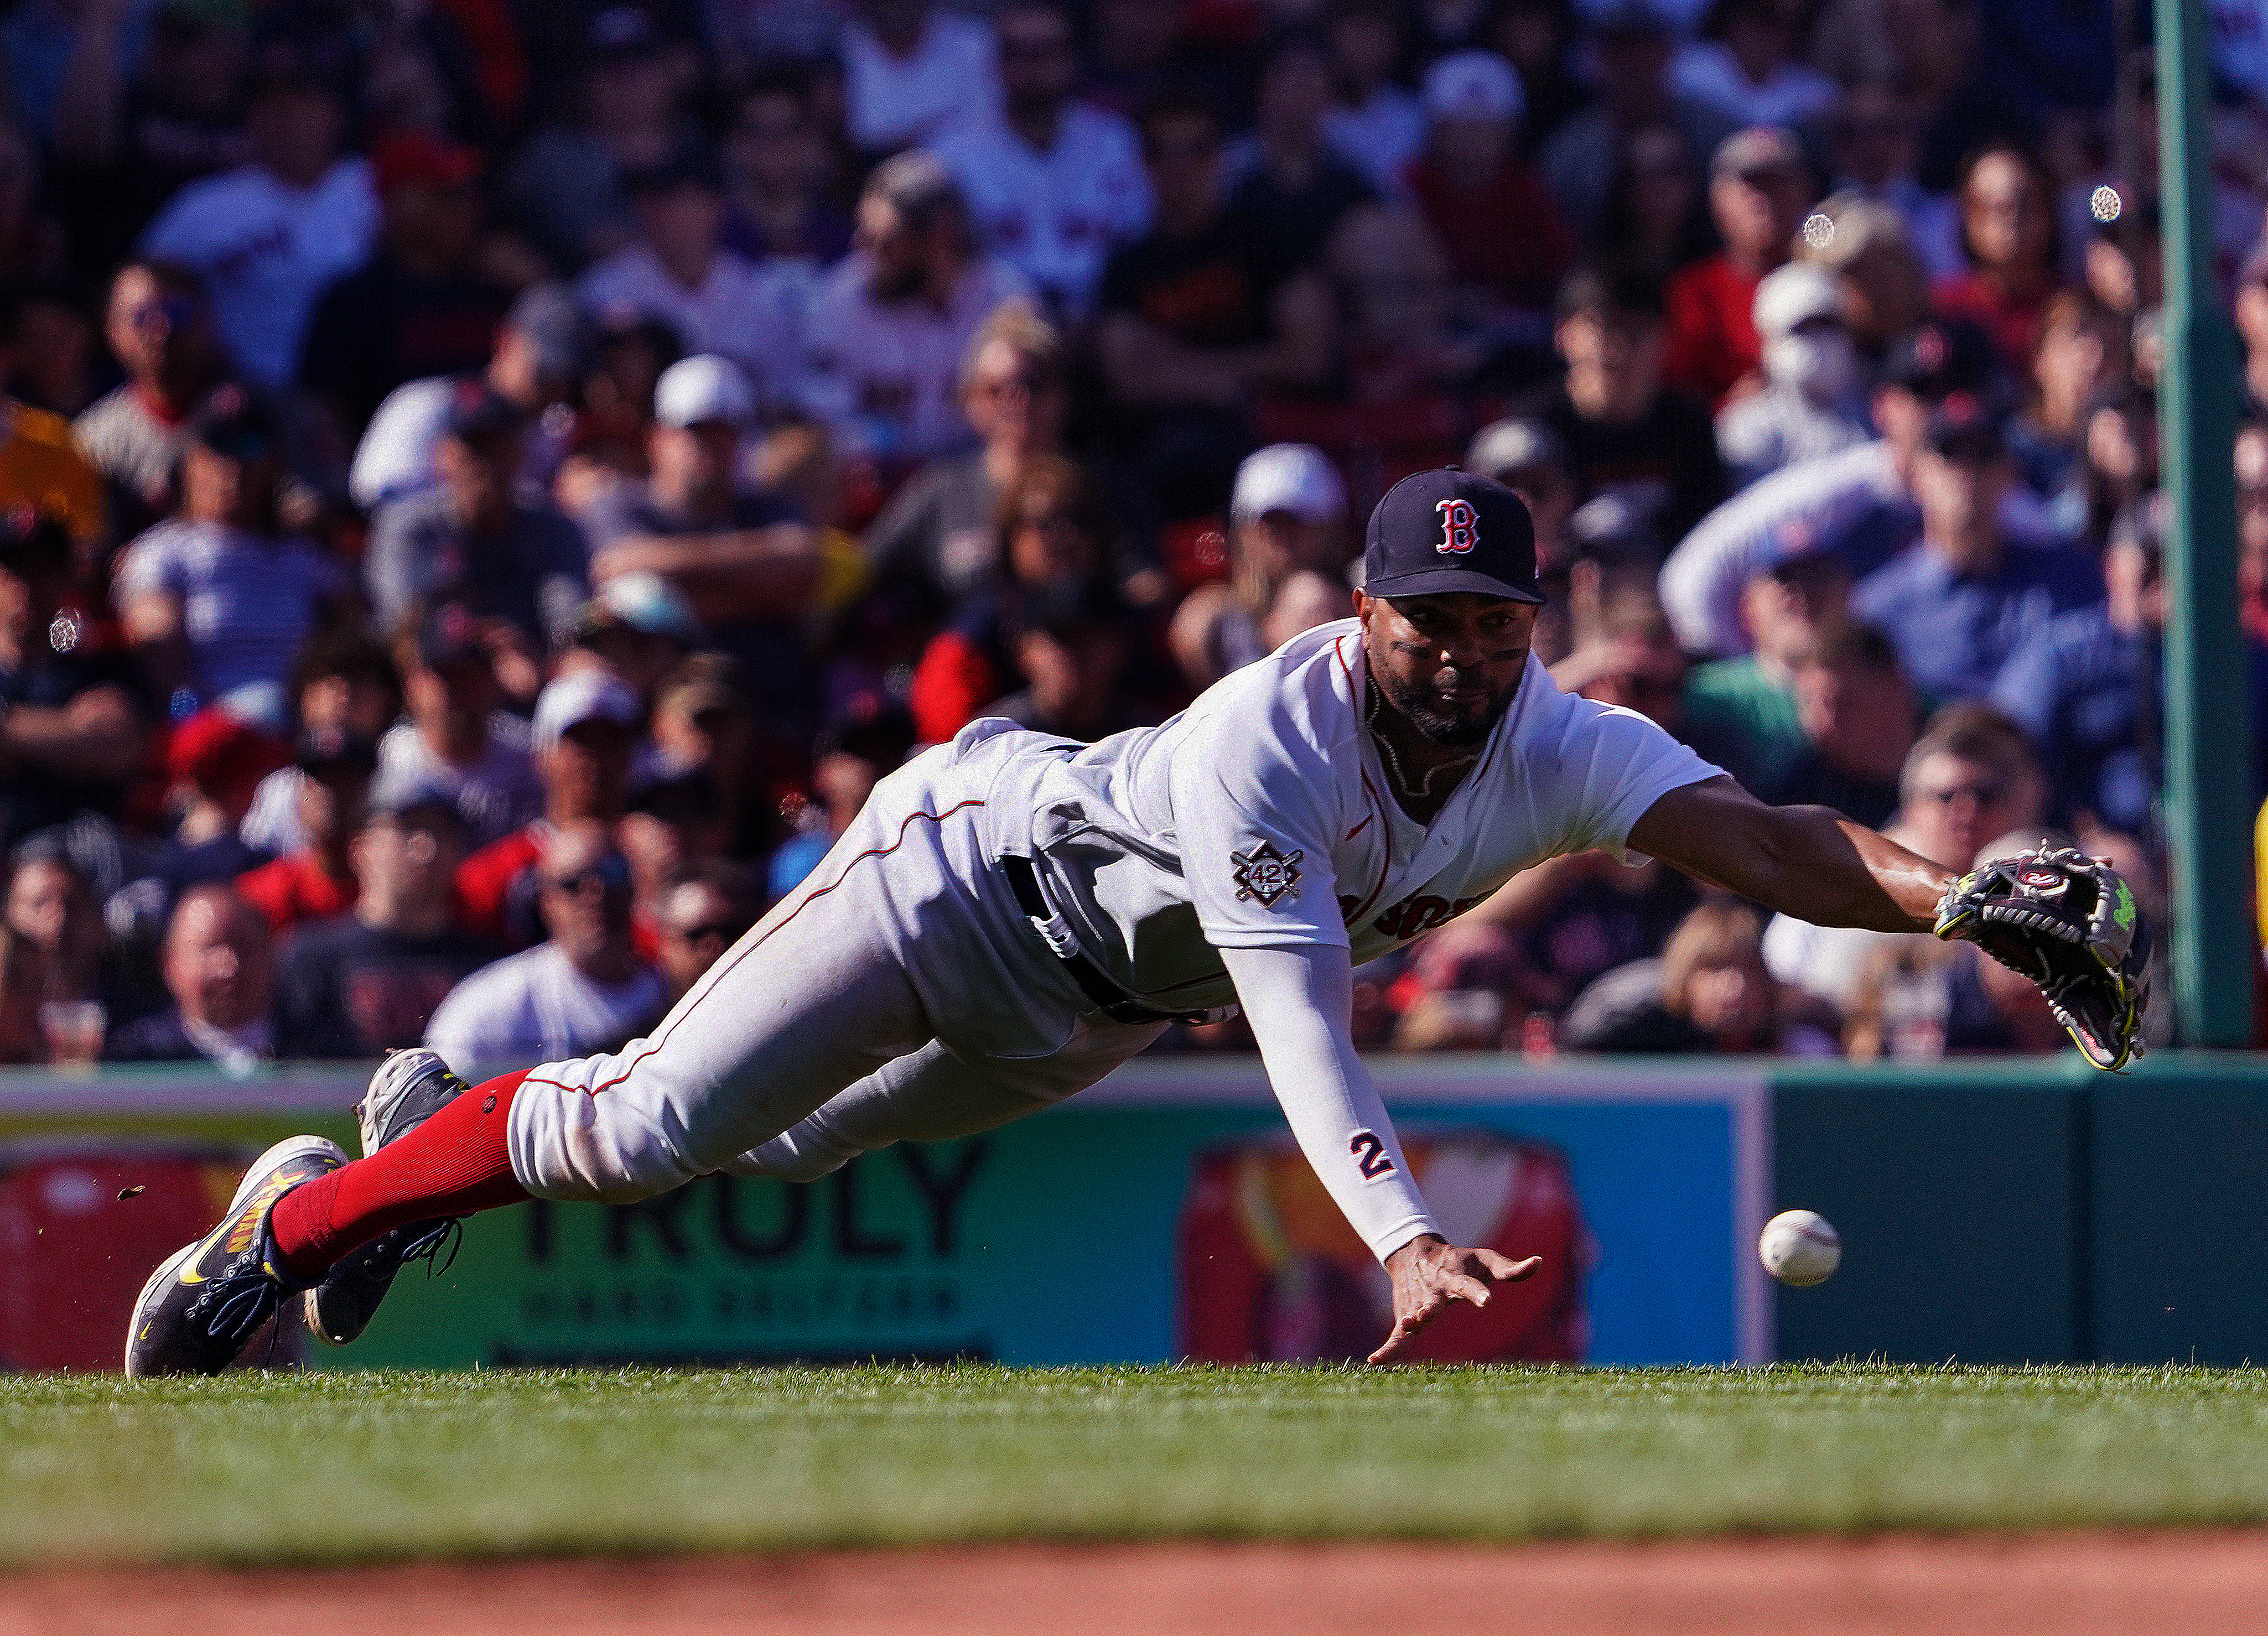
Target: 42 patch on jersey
[1266,875]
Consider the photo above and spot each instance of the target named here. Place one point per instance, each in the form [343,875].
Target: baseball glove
[2068,922]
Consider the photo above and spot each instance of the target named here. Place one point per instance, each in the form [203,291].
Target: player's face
[1449,664]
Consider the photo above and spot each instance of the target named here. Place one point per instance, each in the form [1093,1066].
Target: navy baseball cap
[1964,427]
[1437,532]
[1937,359]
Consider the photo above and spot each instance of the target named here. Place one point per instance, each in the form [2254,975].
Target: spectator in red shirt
[1472,186]
[585,727]
[2008,233]
[317,881]
[1759,186]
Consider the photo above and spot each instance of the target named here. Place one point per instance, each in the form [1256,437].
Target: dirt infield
[2078,1584]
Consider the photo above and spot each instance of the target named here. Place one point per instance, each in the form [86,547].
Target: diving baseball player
[1014,914]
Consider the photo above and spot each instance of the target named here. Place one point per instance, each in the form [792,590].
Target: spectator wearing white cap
[1053,183]
[585,728]
[1287,565]
[1814,399]
[897,314]
[735,554]
[1508,247]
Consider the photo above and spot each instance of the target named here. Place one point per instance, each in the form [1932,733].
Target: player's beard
[1438,721]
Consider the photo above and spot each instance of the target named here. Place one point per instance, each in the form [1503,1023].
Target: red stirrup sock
[452,1165]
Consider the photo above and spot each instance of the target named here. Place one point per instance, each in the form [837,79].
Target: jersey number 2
[1370,1155]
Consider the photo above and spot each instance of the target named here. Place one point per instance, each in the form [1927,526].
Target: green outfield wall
[2005,1210]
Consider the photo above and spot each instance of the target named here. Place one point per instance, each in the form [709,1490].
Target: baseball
[1798,1246]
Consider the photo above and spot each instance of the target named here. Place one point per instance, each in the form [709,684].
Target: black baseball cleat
[409,1087]
[201,1307]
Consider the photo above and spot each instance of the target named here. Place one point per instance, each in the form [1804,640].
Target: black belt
[1114,1002]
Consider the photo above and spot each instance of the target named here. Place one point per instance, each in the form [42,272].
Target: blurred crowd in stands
[487,487]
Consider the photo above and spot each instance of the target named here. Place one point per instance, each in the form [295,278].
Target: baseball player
[1012,916]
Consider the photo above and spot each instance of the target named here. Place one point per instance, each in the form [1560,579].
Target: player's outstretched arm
[1808,862]
[1299,999]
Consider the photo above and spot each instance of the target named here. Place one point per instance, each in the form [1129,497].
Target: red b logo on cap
[1460,527]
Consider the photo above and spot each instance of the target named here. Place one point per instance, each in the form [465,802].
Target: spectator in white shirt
[159,328]
[455,741]
[737,558]
[1054,184]
[584,991]
[218,597]
[897,314]
[1813,401]
[678,269]
[909,70]
[267,237]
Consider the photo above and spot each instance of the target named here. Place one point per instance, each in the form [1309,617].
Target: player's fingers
[1463,1287]
[1404,1329]
[1504,1268]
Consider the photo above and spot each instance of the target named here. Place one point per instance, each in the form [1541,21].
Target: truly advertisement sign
[1164,1214]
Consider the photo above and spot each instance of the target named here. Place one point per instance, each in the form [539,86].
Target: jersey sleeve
[1612,765]
[1298,1002]
[1255,805]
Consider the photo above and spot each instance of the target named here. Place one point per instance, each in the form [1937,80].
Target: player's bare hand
[1429,1273]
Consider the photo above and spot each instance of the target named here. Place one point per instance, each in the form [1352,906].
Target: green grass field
[357,1467]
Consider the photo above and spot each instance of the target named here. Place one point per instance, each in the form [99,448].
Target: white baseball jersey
[1261,817]
[1054,215]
